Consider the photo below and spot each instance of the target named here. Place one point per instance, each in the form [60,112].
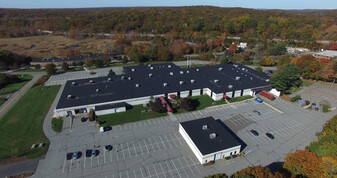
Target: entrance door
[217,156]
[69,113]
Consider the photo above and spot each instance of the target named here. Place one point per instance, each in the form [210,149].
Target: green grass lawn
[10,88]
[131,115]
[306,83]
[240,98]
[21,126]
[193,65]
[31,70]
[57,124]
[206,101]
[2,101]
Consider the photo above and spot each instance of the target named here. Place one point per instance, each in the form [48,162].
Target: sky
[256,4]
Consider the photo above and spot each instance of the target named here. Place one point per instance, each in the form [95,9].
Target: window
[206,161]
[231,153]
[234,152]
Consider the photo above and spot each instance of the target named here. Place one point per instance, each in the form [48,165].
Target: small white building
[208,139]
[330,54]
[242,45]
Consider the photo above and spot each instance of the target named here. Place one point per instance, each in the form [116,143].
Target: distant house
[242,45]
[297,50]
[329,54]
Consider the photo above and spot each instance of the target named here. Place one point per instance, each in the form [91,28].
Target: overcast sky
[257,4]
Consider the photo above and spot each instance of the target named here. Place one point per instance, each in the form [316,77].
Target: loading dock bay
[154,148]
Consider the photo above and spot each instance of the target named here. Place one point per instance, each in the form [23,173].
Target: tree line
[189,23]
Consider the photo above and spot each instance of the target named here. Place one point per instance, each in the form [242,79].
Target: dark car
[257,112]
[254,132]
[108,147]
[271,136]
[83,119]
[69,156]
[88,153]
[94,153]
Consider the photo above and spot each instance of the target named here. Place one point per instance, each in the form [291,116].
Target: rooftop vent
[267,80]
[204,127]
[181,82]
[150,75]
[137,85]
[149,65]
[169,66]
[122,77]
[73,83]
[230,86]
[109,79]
[171,73]
[151,68]
[188,71]
[197,70]
[212,135]
[237,78]
[164,84]
[129,78]
[220,68]
[192,81]
[243,68]
[251,78]
[97,90]
[181,72]
[216,81]
[91,81]
[69,96]
[132,69]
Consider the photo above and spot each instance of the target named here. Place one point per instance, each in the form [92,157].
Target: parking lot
[155,148]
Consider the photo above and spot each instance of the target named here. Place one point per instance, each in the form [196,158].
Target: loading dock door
[217,156]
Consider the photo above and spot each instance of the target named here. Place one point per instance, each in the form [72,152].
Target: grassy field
[2,101]
[57,124]
[10,88]
[21,126]
[131,115]
[31,70]
[193,65]
[206,101]
[240,98]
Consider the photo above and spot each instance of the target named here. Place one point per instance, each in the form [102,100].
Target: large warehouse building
[112,94]
[208,139]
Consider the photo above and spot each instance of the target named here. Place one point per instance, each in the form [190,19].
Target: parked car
[258,100]
[254,132]
[88,153]
[108,147]
[94,153]
[256,112]
[76,154]
[69,156]
[271,136]
[105,129]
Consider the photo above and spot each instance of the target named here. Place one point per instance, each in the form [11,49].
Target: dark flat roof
[110,106]
[151,79]
[200,137]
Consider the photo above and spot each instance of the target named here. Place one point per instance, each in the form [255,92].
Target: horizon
[86,4]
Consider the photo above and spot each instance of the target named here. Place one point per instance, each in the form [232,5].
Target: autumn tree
[92,115]
[267,62]
[89,62]
[232,49]
[259,69]
[50,69]
[65,66]
[328,72]
[164,54]
[99,63]
[305,163]
[255,171]
[157,106]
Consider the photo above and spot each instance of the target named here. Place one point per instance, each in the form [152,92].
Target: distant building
[297,50]
[332,47]
[242,45]
[113,94]
[208,139]
[329,54]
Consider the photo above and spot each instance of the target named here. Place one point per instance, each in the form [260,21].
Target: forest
[195,24]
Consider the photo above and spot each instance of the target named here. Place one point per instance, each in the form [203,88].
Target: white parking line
[71,162]
[162,142]
[162,169]
[195,164]
[104,156]
[178,138]
[173,140]
[141,149]
[146,147]
[84,162]
[181,167]
[122,151]
[175,168]
[64,164]
[134,147]
[168,141]
[155,170]
[127,146]
[134,173]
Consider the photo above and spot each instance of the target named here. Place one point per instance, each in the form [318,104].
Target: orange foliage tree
[304,162]
[256,171]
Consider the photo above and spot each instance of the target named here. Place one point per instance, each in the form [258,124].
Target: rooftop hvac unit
[267,80]
[97,90]
[171,73]
[220,68]
[197,70]
[243,68]
[188,71]
[237,78]
[181,72]
[192,81]
[212,135]
[164,84]
[122,77]
[149,65]
[109,79]
[204,127]
[169,66]
[91,81]
[137,85]
[216,81]
[69,96]
[150,75]
[181,82]
[230,86]
[151,68]
[132,69]
[129,78]
[73,83]
[251,78]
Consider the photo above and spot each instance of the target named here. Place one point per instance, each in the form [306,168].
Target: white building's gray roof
[327,53]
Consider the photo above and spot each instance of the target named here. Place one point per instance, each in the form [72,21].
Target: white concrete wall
[217,97]
[196,92]
[207,91]
[184,94]
[190,143]
[110,111]
[237,93]
[247,92]
[222,153]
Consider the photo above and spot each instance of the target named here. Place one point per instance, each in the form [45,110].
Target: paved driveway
[154,148]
